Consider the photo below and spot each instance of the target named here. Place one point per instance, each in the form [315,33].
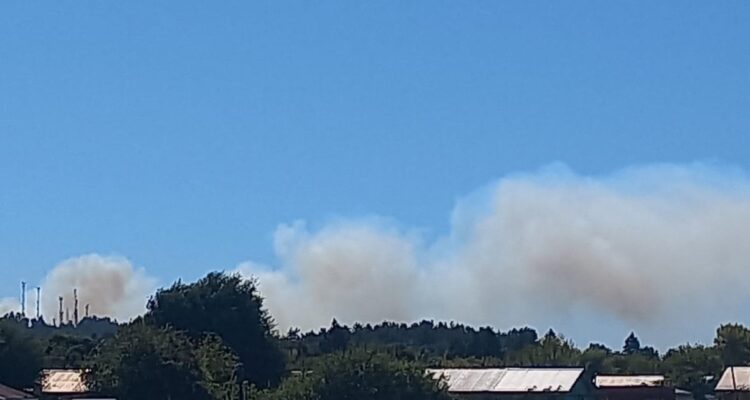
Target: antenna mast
[60,300]
[75,307]
[38,302]
[23,299]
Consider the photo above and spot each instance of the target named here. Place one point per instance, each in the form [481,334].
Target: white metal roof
[509,380]
[63,381]
[620,381]
[734,379]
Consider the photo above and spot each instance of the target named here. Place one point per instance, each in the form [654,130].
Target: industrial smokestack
[67,315]
[38,302]
[60,300]
[86,312]
[111,285]
[23,299]
[75,307]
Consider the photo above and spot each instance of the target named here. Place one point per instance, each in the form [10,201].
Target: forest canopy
[214,339]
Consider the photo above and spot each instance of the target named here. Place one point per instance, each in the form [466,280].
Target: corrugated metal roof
[509,380]
[8,393]
[620,381]
[63,381]
[734,379]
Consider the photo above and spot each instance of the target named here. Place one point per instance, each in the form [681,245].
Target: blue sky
[180,134]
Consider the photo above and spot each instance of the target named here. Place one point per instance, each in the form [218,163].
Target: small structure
[734,384]
[634,387]
[65,384]
[8,393]
[515,383]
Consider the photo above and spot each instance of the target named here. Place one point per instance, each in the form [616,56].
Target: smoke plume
[109,285]
[661,249]
[9,305]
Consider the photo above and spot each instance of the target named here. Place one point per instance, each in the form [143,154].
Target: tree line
[213,339]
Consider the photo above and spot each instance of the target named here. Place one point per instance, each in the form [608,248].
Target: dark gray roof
[8,393]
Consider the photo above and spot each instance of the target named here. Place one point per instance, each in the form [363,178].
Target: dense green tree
[360,375]
[218,366]
[551,350]
[733,343]
[144,362]
[687,367]
[634,364]
[596,359]
[230,307]
[336,339]
[65,351]
[632,344]
[20,355]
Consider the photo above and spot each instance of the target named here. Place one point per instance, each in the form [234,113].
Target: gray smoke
[661,249]
[9,305]
[110,285]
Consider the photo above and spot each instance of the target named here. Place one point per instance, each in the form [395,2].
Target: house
[65,384]
[8,393]
[630,387]
[516,383]
[734,384]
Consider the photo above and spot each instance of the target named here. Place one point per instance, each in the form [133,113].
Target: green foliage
[231,308]
[360,375]
[632,344]
[143,362]
[20,355]
[64,351]
[199,340]
[445,343]
[688,366]
[551,350]
[218,367]
[596,359]
[733,343]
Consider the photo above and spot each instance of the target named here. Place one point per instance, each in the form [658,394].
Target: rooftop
[509,380]
[8,393]
[734,379]
[55,381]
[624,381]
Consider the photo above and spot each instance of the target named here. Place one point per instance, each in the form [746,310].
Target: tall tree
[144,362]
[20,355]
[336,339]
[632,344]
[689,366]
[361,375]
[595,359]
[733,343]
[231,308]
[551,350]
[66,351]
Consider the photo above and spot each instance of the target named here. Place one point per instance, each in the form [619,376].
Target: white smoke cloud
[661,249]
[110,285]
[9,304]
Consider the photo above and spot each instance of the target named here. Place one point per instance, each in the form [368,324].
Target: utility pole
[60,300]
[38,302]
[23,299]
[75,307]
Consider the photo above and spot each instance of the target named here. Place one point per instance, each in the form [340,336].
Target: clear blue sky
[181,133]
